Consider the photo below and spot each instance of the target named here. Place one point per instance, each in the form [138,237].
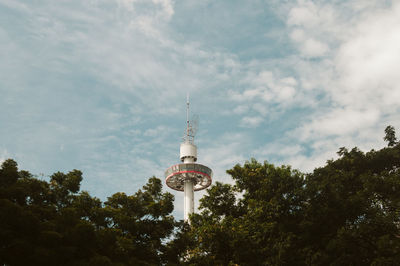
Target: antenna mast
[187,117]
[191,126]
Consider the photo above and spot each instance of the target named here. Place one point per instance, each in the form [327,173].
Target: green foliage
[53,223]
[345,213]
[354,205]
[390,136]
[254,222]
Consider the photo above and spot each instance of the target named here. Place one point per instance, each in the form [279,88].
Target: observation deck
[200,175]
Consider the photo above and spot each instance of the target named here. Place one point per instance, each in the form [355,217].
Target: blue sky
[100,85]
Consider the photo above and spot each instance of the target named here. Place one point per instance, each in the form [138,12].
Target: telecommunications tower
[188,176]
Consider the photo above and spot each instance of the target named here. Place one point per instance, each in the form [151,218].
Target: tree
[390,136]
[254,222]
[353,210]
[53,223]
[140,223]
[345,213]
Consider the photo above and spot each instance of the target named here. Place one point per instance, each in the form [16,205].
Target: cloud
[223,153]
[158,131]
[305,14]
[3,155]
[353,90]
[272,89]
[281,150]
[251,121]
[304,19]
[15,5]
[339,122]
[240,109]
[106,82]
[91,85]
[363,86]
[263,90]
[349,87]
[367,62]
[313,48]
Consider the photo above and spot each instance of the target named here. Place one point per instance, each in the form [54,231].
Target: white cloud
[240,109]
[251,121]
[298,35]
[339,122]
[15,5]
[156,132]
[262,108]
[368,62]
[358,76]
[167,8]
[262,89]
[313,48]
[278,149]
[364,84]
[223,153]
[127,4]
[4,155]
[305,14]
[102,77]
[310,25]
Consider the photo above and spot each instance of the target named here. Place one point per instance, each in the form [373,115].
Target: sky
[101,85]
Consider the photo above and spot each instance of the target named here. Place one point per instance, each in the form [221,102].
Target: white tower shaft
[189,194]
[189,200]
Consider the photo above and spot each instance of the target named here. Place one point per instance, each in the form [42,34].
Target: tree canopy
[52,223]
[344,213]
